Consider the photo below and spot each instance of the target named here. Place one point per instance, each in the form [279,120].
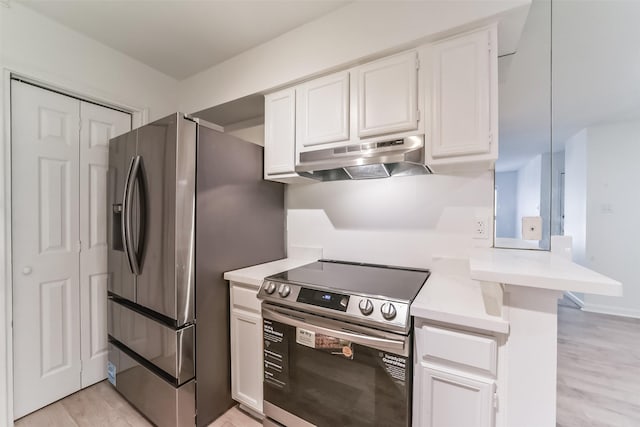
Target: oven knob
[270,288]
[284,290]
[388,311]
[366,306]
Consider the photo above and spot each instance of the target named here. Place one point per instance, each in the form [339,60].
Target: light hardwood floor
[101,406]
[598,382]
[598,370]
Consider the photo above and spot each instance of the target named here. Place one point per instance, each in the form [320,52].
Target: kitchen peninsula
[485,336]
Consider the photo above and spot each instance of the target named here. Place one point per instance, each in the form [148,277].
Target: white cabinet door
[45,158]
[322,111]
[452,399]
[99,125]
[461,95]
[279,132]
[246,358]
[388,95]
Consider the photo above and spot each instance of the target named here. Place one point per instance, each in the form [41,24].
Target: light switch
[531,228]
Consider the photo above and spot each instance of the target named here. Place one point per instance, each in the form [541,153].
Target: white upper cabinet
[464,97]
[279,132]
[388,95]
[322,109]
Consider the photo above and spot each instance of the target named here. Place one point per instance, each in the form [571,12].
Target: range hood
[398,157]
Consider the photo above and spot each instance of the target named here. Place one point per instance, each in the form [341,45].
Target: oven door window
[332,382]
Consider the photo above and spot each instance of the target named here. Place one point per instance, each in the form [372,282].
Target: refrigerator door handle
[127,219]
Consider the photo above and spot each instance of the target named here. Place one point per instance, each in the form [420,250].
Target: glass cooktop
[395,283]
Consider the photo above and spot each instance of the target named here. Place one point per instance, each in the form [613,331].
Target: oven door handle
[384,344]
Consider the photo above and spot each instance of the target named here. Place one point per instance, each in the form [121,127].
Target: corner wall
[40,48]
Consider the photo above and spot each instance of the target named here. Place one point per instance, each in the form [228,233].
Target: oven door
[323,372]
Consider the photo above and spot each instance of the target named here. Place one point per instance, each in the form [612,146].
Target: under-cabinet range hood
[399,157]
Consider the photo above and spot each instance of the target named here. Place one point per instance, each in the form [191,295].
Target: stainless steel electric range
[338,344]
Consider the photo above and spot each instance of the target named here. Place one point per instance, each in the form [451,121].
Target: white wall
[253,134]
[529,178]
[506,206]
[39,48]
[353,33]
[402,221]
[613,213]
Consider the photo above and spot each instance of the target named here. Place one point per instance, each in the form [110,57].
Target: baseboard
[612,310]
[575,299]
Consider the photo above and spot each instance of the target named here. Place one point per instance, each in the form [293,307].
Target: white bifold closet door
[59,161]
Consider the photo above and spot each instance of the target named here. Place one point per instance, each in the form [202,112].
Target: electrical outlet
[481,228]
[531,228]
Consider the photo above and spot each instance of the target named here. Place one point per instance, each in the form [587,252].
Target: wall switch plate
[481,227]
[531,228]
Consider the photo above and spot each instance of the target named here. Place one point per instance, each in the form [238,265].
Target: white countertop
[539,269]
[450,296]
[254,275]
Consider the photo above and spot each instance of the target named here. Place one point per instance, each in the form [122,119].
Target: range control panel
[393,315]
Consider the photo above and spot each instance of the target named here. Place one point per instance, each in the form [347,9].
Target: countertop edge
[255,274]
[492,265]
[498,325]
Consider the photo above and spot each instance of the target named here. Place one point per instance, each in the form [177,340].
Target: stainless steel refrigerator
[186,203]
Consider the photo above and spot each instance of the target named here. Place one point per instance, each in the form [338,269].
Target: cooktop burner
[368,294]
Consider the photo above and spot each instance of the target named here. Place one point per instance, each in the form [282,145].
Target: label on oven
[306,337]
[396,366]
[276,356]
[326,343]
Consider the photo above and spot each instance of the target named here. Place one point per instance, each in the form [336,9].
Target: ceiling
[181,38]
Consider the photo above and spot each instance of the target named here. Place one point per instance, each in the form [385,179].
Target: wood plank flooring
[598,370]
[598,382]
[101,406]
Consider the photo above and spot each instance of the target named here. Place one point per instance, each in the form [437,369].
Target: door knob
[26,271]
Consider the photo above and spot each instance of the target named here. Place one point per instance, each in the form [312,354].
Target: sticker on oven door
[325,343]
[396,366]
[276,356]
[306,337]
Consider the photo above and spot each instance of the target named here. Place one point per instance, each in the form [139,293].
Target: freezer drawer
[169,349]
[162,403]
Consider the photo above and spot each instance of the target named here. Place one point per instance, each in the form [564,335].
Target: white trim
[6,290]
[573,297]
[140,116]
[612,310]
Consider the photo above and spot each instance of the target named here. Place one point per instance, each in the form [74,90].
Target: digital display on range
[323,299]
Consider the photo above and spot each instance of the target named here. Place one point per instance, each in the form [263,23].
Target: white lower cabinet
[454,382]
[450,398]
[246,347]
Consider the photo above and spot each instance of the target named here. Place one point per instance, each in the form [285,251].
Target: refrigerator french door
[187,203]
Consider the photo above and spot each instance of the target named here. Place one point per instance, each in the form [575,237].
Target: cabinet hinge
[495,400]
[490,138]
[417,63]
[79,246]
[418,115]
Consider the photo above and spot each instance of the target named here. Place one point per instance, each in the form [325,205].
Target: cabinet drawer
[462,348]
[245,298]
